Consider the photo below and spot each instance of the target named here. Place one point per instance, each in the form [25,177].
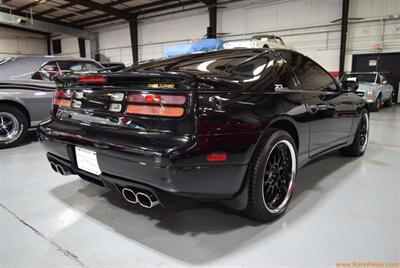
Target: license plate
[87,160]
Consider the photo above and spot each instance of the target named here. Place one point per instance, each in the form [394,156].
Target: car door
[330,110]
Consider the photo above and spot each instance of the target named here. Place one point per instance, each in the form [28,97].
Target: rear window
[78,67]
[205,63]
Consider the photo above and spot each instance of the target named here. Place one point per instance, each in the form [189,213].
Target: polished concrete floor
[344,210]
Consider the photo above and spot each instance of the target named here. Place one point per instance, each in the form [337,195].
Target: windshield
[366,77]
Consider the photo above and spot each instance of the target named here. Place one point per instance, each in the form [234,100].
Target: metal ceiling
[84,13]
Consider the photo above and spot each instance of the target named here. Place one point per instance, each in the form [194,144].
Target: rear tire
[360,142]
[13,126]
[376,106]
[271,174]
[389,102]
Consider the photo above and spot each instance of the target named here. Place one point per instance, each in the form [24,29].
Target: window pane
[311,76]
[77,67]
[360,77]
[46,72]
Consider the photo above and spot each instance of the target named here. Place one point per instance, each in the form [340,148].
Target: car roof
[23,66]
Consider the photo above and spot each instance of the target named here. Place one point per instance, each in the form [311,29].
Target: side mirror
[384,82]
[349,86]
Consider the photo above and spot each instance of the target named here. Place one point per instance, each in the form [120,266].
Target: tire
[375,107]
[360,142]
[267,200]
[13,126]
[389,102]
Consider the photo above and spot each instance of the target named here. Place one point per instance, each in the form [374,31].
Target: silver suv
[26,92]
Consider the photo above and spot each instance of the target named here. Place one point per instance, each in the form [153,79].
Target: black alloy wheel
[271,176]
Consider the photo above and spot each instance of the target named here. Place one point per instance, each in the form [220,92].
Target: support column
[82,47]
[212,13]
[49,50]
[343,35]
[133,28]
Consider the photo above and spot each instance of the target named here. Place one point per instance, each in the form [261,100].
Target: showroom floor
[344,209]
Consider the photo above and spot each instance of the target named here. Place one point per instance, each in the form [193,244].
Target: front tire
[376,106]
[360,142]
[271,174]
[13,126]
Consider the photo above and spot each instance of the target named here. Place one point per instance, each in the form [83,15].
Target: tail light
[62,99]
[156,104]
[217,157]
[92,79]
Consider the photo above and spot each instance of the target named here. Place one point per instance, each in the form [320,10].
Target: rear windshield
[369,78]
[78,66]
[205,63]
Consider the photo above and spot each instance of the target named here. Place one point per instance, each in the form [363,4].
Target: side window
[378,79]
[46,72]
[382,78]
[266,73]
[312,77]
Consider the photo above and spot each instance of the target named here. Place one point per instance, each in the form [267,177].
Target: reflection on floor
[344,210]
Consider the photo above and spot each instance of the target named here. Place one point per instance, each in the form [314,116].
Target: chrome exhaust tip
[53,166]
[129,195]
[63,170]
[147,200]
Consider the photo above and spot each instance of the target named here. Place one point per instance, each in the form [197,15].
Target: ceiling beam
[140,7]
[54,9]
[69,15]
[42,26]
[107,9]
[140,12]
[27,17]
[30,5]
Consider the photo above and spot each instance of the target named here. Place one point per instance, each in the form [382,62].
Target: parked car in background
[27,89]
[373,87]
[257,41]
[113,66]
[232,126]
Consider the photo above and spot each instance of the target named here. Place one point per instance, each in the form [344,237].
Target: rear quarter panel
[36,97]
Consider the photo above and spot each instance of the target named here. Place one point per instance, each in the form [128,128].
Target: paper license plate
[87,160]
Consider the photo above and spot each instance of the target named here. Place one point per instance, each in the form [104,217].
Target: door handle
[313,109]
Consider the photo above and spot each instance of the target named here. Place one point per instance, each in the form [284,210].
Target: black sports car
[232,126]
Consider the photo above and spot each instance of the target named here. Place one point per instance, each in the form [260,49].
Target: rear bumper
[212,181]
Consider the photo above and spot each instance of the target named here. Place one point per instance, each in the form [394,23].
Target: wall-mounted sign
[372,62]
[378,45]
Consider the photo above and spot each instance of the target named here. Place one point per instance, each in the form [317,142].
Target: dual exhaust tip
[143,198]
[58,168]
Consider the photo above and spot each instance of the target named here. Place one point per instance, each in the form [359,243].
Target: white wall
[153,36]
[21,43]
[305,25]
